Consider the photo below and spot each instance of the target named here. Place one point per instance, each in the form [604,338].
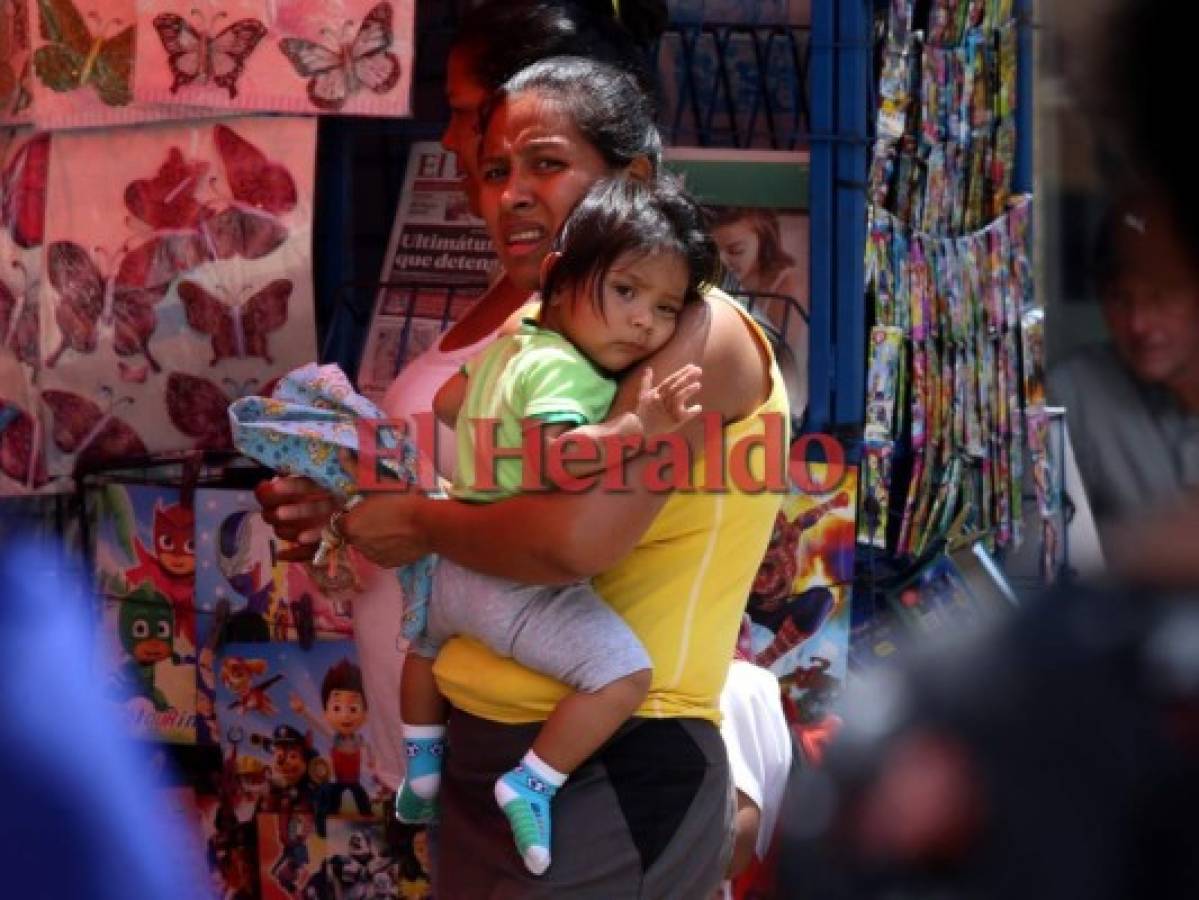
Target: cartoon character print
[146,629]
[170,565]
[238,674]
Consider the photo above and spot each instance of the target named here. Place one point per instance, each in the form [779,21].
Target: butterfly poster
[16,62]
[177,278]
[300,56]
[237,560]
[24,161]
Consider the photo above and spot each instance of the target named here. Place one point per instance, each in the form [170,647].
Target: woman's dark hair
[606,105]
[628,215]
[772,258]
[502,37]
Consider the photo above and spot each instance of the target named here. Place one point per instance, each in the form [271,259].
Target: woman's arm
[560,537]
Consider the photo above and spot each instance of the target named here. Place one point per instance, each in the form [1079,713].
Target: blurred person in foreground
[1058,755]
[79,821]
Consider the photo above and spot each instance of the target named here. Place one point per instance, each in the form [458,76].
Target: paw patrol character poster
[237,561]
[798,607]
[301,714]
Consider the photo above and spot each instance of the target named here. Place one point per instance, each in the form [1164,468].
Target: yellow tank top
[682,590]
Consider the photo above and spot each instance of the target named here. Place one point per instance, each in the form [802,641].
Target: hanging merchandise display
[949,280]
[178,277]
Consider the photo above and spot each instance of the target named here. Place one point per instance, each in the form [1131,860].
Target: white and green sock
[524,794]
[416,800]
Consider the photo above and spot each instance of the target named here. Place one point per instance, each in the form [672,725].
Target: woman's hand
[297,509]
[384,528]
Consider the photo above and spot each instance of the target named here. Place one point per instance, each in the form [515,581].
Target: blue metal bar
[849,329]
[821,75]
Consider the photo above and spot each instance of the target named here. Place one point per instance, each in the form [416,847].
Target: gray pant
[647,818]
[567,632]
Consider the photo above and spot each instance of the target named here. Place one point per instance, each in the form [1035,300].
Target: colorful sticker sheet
[961,308]
[350,57]
[177,265]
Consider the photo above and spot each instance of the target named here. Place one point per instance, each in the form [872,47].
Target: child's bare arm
[661,409]
[449,397]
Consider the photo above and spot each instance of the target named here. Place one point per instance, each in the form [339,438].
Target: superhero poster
[290,853]
[230,849]
[798,607]
[144,672]
[237,561]
[367,860]
[144,559]
[297,720]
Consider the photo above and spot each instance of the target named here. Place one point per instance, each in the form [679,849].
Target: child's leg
[423,711]
[572,635]
[576,729]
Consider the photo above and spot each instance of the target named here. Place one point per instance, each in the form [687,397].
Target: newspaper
[439,259]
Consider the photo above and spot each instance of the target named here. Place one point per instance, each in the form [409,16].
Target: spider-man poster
[799,605]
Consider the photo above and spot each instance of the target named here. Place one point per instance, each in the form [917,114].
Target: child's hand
[297,705]
[663,408]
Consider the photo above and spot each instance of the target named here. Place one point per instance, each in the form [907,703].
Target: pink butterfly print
[19,321]
[20,446]
[237,331]
[168,200]
[199,409]
[262,190]
[96,436]
[23,191]
[87,297]
[337,73]
[254,180]
[195,54]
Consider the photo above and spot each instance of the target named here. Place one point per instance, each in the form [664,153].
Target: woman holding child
[648,814]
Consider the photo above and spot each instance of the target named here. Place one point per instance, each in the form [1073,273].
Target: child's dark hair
[342,676]
[628,215]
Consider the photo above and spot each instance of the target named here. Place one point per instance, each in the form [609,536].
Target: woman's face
[738,245]
[465,94]
[534,165]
